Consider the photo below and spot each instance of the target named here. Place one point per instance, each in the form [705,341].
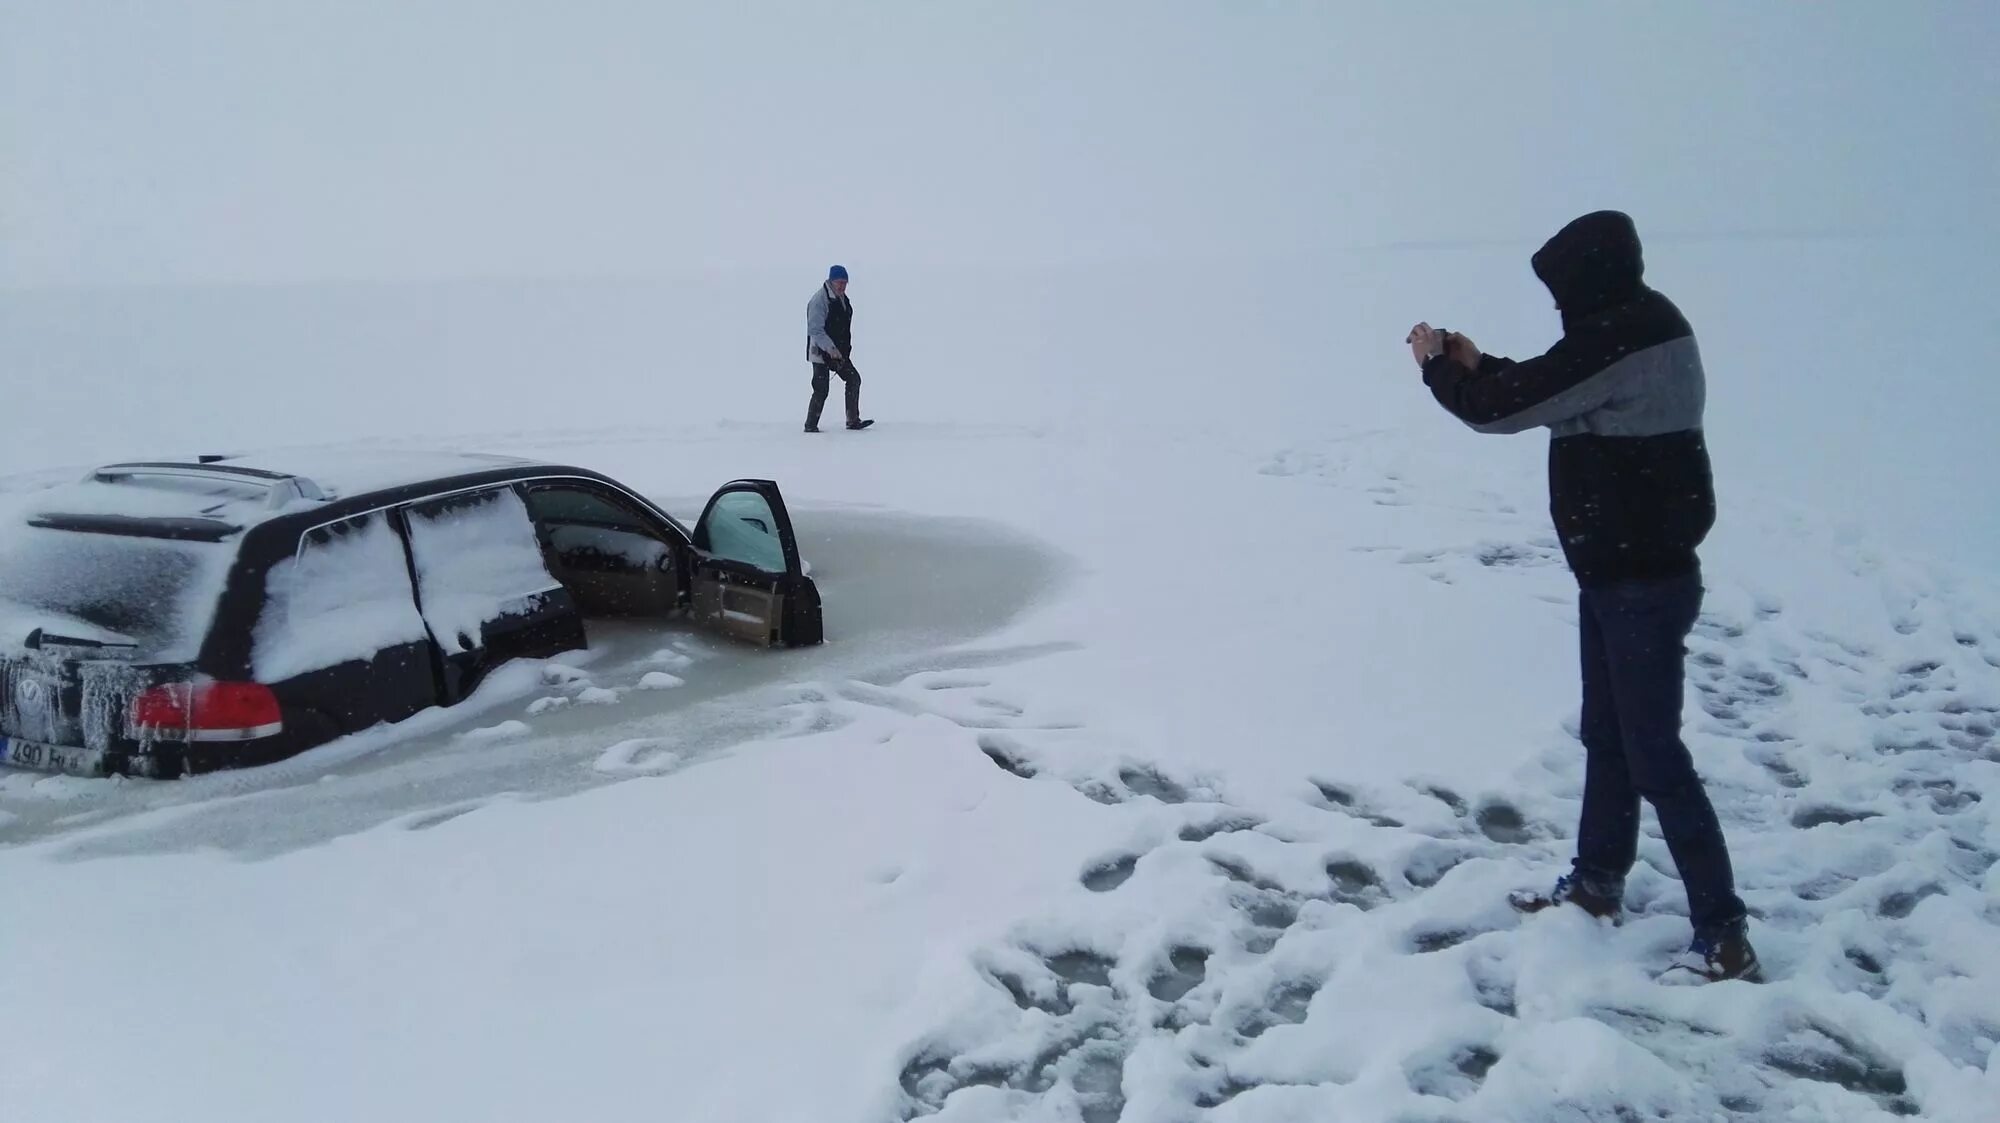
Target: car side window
[343,596]
[580,505]
[588,529]
[477,559]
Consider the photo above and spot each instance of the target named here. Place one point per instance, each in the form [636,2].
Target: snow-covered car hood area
[1191,798]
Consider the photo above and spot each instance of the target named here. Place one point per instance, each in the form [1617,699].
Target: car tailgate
[54,709]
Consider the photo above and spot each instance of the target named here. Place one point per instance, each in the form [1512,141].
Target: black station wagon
[165,618]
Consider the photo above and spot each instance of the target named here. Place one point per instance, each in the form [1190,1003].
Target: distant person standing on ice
[830,348]
[1622,394]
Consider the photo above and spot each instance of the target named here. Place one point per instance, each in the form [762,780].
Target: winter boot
[858,424]
[1569,891]
[1712,959]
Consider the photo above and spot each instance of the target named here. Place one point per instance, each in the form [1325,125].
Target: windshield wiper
[39,638]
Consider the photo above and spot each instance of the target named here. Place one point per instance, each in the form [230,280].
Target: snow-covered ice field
[1195,689]
[1150,773]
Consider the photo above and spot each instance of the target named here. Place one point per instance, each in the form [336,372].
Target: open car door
[747,581]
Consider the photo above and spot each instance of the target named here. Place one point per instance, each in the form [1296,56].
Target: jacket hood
[1592,263]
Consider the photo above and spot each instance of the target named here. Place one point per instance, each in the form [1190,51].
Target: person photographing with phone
[1622,394]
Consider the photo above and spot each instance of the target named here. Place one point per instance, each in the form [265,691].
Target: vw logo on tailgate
[34,703]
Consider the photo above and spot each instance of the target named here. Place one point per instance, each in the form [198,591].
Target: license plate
[49,758]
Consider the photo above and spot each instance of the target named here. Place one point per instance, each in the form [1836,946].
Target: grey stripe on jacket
[1658,389]
[819,345]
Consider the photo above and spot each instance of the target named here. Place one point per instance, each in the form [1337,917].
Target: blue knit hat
[837,273]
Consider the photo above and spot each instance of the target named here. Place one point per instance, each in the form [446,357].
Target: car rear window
[157,594]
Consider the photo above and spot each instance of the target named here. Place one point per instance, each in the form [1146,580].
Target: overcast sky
[156,140]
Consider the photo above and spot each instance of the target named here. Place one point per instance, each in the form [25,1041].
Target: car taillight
[207,711]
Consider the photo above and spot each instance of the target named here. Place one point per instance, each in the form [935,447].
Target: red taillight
[207,711]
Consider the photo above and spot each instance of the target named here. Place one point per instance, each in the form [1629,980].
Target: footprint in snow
[1807,818]
[1775,762]
[1048,996]
[1133,781]
[1007,755]
[1336,798]
[1202,832]
[1269,915]
[1355,883]
[1942,795]
[1454,1073]
[1900,904]
[1445,796]
[1813,1050]
[1237,870]
[1502,822]
[1082,966]
[1426,941]
[1106,876]
[1428,863]
[1493,983]
[1147,783]
[1183,971]
[1285,1004]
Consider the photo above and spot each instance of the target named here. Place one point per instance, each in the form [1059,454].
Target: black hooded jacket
[1622,394]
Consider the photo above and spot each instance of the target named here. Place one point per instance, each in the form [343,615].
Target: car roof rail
[283,487]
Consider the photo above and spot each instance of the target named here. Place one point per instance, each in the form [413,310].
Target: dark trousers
[1633,647]
[820,384]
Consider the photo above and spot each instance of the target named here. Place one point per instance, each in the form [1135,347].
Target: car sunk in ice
[166,618]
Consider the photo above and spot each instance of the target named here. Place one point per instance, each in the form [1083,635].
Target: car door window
[344,595]
[741,527]
[576,504]
[477,561]
[589,530]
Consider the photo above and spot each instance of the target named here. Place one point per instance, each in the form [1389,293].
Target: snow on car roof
[236,492]
[165,497]
[344,472]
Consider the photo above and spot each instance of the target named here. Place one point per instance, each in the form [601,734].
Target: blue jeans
[1633,647]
